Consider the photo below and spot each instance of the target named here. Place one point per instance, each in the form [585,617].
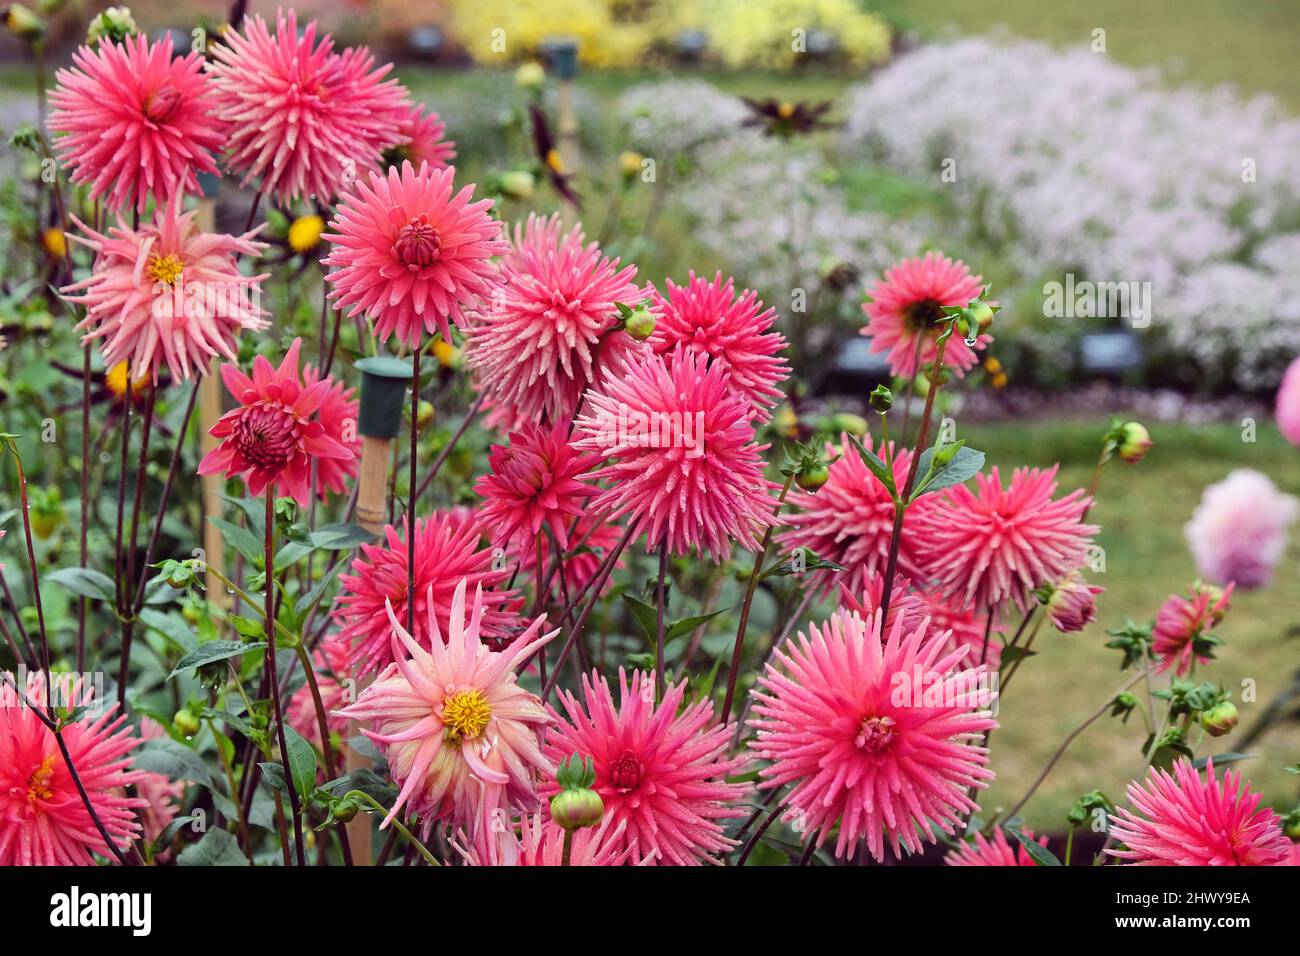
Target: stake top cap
[383,389]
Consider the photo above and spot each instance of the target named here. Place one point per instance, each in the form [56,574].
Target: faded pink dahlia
[166,292]
[996,852]
[423,140]
[1288,403]
[411,255]
[660,769]
[541,843]
[879,738]
[850,519]
[302,119]
[1179,819]
[338,415]
[534,482]
[683,462]
[137,121]
[1182,632]
[43,821]
[1001,543]
[460,736]
[447,551]
[552,329]
[1072,604]
[732,330]
[331,664]
[1239,530]
[905,311]
[272,438]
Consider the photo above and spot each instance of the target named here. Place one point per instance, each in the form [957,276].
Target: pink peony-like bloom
[1183,624]
[551,332]
[1288,403]
[660,769]
[423,139]
[879,737]
[905,309]
[43,820]
[331,664]
[1180,819]
[730,329]
[1001,543]
[1073,604]
[137,121]
[995,852]
[461,737]
[271,438]
[850,519]
[541,843]
[683,462]
[302,119]
[160,794]
[534,482]
[1239,530]
[447,551]
[410,255]
[166,292]
[338,414]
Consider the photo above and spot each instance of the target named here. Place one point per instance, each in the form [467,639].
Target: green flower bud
[1219,719]
[518,184]
[810,479]
[982,315]
[575,809]
[22,23]
[1134,442]
[114,24]
[855,425]
[186,723]
[881,399]
[640,324]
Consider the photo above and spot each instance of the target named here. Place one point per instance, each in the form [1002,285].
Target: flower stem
[660,680]
[567,853]
[294,807]
[411,491]
[423,850]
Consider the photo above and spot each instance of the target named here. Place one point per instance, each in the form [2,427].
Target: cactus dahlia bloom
[904,314]
[683,462]
[660,769]
[43,821]
[730,329]
[1183,624]
[167,293]
[460,735]
[996,852]
[424,140]
[1239,530]
[137,121]
[879,737]
[1180,819]
[410,254]
[302,119]
[272,437]
[552,329]
[962,627]
[541,843]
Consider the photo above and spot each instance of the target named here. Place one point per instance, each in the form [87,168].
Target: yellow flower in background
[446,353]
[305,233]
[55,242]
[609,33]
[629,163]
[530,75]
[759,32]
[115,380]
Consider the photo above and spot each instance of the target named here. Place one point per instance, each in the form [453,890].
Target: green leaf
[254,510]
[213,651]
[86,582]
[1037,852]
[341,537]
[302,761]
[646,615]
[217,848]
[313,597]
[291,554]
[241,539]
[878,468]
[1012,654]
[173,760]
[1221,759]
[248,627]
[964,465]
[688,624]
[173,627]
[237,722]
[811,562]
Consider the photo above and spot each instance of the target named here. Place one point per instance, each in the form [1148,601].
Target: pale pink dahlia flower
[410,255]
[1182,631]
[423,139]
[996,852]
[850,519]
[1180,819]
[551,330]
[535,482]
[732,330]
[460,735]
[541,843]
[683,462]
[303,120]
[43,821]
[1239,530]
[1288,403]
[879,737]
[338,414]
[167,293]
[1000,543]
[137,121]
[272,437]
[1072,605]
[905,309]
[447,551]
[660,769]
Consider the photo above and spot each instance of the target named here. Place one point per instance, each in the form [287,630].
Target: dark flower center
[417,244]
[625,773]
[162,104]
[924,315]
[875,734]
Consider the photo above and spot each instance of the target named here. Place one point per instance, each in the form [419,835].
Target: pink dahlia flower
[411,255]
[1288,403]
[137,121]
[1073,604]
[1239,530]
[905,309]
[160,793]
[331,664]
[1183,624]
[995,852]
[551,331]
[272,438]
[534,482]
[660,769]
[1179,819]
[879,737]
[999,543]
[732,330]
[166,292]
[43,821]
[423,139]
[302,119]
[683,462]
[541,843]
[460,735]
[338,415]
[447,551]
[850,519]
[961,627]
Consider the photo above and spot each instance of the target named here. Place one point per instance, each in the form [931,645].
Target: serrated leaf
[217,848]
[313,597]
[965,465]
[85,582]
[241,539]
[173,760]
[214,651]
[878,468]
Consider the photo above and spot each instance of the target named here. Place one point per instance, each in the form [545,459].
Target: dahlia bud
[424,414]
[981,313]
[1133,443]
[186,723]
[530,75]
[1072,604]
[576,805]
[811,479]
[1218,599]
[1219,719]
[22,23]
[1291,826]
[114,24]
[881,399]
[640,324]
[518,184]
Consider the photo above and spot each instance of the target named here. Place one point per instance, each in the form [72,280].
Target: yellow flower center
[38,786]
[305,232]
[166,269]
[785,110]
[115,379]
[555,161]
[465,714]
